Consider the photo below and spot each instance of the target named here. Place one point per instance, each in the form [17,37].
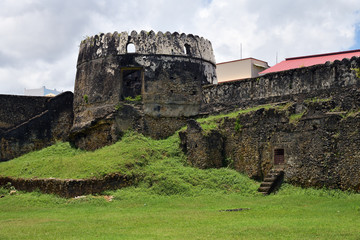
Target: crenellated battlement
[146,43]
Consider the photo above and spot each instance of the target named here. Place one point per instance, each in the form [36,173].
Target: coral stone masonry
[156,83]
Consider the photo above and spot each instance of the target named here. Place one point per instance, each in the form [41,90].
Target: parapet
[146,43]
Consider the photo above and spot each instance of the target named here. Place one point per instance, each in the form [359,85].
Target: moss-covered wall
[321,143]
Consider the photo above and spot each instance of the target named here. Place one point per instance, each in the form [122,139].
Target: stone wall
[321,149]
[70,187]
[42,130]
[165,75]
[18,109]
[297,84]
[146,43]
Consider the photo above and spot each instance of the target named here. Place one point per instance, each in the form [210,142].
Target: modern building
[240,69]
[306,61]
[43,91]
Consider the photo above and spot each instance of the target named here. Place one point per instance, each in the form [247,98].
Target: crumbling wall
[40,131]
[204,149]
[320,148]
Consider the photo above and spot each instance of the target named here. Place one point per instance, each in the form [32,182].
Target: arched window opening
[130,48]
[187,49]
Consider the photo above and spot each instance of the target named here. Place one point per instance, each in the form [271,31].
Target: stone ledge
[71,187]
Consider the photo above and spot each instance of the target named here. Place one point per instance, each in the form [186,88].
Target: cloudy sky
[40,39]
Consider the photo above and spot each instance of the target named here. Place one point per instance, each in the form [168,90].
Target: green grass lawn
[136,213]
[171,201]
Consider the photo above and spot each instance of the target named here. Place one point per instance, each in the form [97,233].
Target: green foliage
[238,126]
[350,114]
[336,109]
[294,118]
[317,100]
[86,98]
[211,122]
[284,107]
[118,106]
[357,71]
[137,98]
[85,39]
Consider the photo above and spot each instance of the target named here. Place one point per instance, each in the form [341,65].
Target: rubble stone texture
[170,79]
[164,76]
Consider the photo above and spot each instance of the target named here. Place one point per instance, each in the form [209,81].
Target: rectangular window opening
[279,156]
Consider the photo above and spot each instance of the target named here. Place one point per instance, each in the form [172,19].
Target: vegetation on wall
[357,71]
[86,98]
[137,98]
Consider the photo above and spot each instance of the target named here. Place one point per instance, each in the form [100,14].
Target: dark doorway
[131,82]
[279,156]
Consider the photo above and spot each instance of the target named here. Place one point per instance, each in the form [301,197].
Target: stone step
[276,171]
[269,179]
[272,181]
[266,184]
[263,189]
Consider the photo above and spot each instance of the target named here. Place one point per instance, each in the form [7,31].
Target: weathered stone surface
[322,81]
[320,150]
[165,75]
[146,43]
[204,150]
[15,110]
[41,130]
[71,187]
[159,87]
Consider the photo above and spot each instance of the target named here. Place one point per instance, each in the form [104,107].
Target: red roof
[306,61]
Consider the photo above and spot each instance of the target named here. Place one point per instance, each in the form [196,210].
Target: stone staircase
[272,181]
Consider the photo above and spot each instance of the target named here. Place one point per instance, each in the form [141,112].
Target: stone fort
[169,79]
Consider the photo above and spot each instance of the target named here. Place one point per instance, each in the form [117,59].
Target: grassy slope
[132,154]
[174,201]
[160,162]
[62,161]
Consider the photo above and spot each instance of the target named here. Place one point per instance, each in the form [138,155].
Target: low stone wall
[70,187]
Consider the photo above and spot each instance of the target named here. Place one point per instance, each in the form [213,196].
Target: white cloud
[39,37]
[290,28]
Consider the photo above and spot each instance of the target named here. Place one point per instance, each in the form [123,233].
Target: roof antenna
[240,50]
[276,57]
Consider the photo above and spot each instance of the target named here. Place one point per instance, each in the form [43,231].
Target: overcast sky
[40,38]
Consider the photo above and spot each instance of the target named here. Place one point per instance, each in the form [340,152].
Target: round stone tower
[143,81]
